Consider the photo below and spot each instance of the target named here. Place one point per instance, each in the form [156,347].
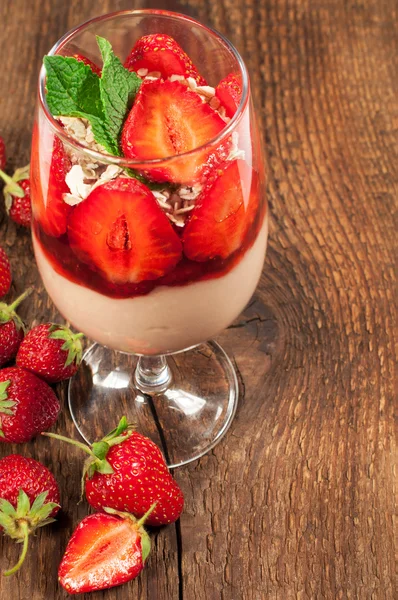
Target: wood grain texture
[297,501]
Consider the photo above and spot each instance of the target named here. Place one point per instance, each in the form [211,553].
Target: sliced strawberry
[104,551]
[159,52]
[95,68]
[121,231]
[229,93]
[224,212]
[168,119]
[51,212]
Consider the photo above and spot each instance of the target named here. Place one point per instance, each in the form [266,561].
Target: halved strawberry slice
[224,212]
[160,52]
[229,92]
[51,211]
[168,119]
[104,551]
[120,231]
[95,68]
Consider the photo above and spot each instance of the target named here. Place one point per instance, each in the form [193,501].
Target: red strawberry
[105,550]
[3,159]
[168,119]
[223,213]
[5,273]
[20,209]
[127,472]
[229,92]
[29,499]
[159,52]
[121,231]
[28,405]
[95,69]
[53,352]
[11,329]
[17,196]
[51,212]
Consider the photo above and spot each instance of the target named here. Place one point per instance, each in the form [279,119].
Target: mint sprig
[118,88]
[73,90]
[72,87]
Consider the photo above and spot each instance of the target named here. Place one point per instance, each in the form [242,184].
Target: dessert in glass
[149,219]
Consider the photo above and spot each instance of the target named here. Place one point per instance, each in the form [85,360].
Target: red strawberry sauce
[65,262]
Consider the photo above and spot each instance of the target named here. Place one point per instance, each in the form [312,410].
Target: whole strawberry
[3,159]
[17,196]
[5,273]
[105,550]
[29,499]
[51,351]
[12,329]
[126,471]
[28,405]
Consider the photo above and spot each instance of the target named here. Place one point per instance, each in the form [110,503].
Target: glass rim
[130,162]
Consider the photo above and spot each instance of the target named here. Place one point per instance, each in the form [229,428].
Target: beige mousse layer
[166,320]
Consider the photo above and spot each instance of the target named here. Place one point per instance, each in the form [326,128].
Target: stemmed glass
[151,360]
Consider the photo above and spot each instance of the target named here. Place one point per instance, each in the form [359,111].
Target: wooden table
[297,500]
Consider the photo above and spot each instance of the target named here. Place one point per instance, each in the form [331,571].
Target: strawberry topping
[121,231]
[229,92]
[159,52]
[168,119]
[223,214]
[52,211]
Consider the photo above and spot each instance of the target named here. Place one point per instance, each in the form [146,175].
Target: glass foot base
[186,420]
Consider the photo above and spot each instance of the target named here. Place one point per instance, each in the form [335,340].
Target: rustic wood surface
[297,501]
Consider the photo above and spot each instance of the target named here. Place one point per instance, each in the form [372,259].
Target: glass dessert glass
[151,360]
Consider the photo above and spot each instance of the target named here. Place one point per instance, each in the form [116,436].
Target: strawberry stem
[6,178]
[141,522]
[62,438]
[20,299]
[25,531]
[126,515]
[12,187]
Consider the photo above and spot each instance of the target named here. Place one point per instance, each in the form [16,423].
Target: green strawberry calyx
[98,450]
[20,521]
[7,311]
[72,343]
[12,189]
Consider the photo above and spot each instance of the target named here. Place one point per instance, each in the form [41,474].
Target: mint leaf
[73,90]
[118,88]
[101,133]
[72,87]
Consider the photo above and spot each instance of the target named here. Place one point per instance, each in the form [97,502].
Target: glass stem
[152,374]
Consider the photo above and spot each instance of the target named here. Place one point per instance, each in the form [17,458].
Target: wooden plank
[297,501]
